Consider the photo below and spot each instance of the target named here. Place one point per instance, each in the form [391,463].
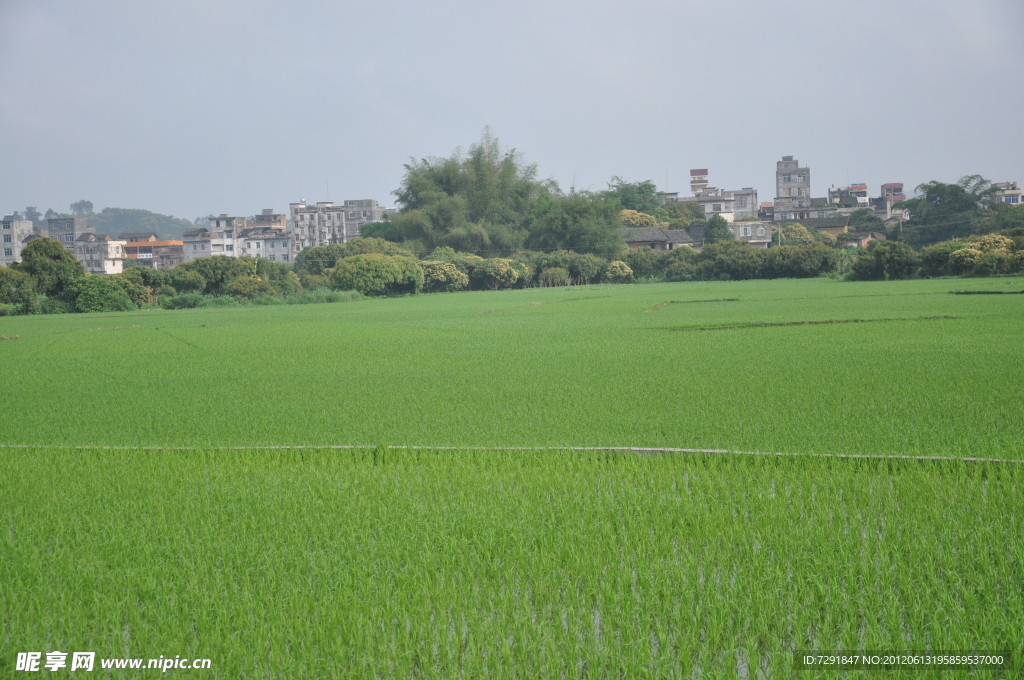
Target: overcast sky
[192,107]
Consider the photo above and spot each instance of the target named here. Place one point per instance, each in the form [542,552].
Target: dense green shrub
[249,287]
[315,281]
[54,306]
[554,276]
[317,260]
[52,266]
[495,274]
[735,260]
[886,260]
[375,274]
[8,310]
[97,294]
[935,259]
[994,263]
[133,288]
[187,281]
[963,260]
[195,300]
[617,271]
[645,262]
[18,290]
[799,262]
[442,277]
[217,272]
[279,275]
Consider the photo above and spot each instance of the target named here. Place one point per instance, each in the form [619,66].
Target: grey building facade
[792,190]
[15,235]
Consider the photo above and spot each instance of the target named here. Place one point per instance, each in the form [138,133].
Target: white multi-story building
[99,254]
[325,222]
[1008,192]
[14,234]
[276,245]
[731,205]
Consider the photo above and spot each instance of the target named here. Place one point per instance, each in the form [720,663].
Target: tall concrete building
[792,190]
[731,205]
[68,229]
[15,236]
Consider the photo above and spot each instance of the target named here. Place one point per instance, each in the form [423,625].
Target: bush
[963,261]
[935,259]
[136,292]
[8,310]
[54,306]
[249,287]
[217,272]
[724,260]
[495,274]
[187,281]
[315,281]
[317,260]
[646,263]
[375,274]
[182,301]
[18,290]
[97,294]
[617,272]
[555,276]
[799,262]
[886,260]
[993,243]
[994,263]
[442,277]
[681,270]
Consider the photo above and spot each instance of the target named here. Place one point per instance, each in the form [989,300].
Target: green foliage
[495,274]
[18,291]
[133,288]
[794,234]
[52,266]
[279,275]
[217,272]
[317,260]
[725,260]
[682,215]
[617,271]
[96,294]
[639,220]
[886,260]
[554,276]
[375,274]
[946,211]
[187,281]
[580,222]
[249,287]
[116,221]
[799,262]
[935,258]
[442,277]
[646,263]
[197,300]
[865,219]
[638,196]
[717,230]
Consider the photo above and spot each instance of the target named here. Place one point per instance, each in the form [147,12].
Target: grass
[762,366]
[357,563]
[547,564]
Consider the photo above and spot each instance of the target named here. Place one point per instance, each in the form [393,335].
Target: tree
[374,274]
[96,294]
[735,260]
[945,211]
[618,272]
[639,196]
[555,276]
[639,220]
[52,266]
[799,262]
[18,290]
[495,274]
[249,287]
[580,222]
[319,259]
[442,277]
[794,234]
[865,219]
[886,260]
[82,207]
[717,230]
[187,281]
[646,263]
[682,214]
[31,213]
[217,272]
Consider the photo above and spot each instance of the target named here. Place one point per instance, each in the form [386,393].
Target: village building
[731,205]
[656,238]
[1007,192]
[68,229]
[15,235]
[99,254]
[325,222]
[146,249]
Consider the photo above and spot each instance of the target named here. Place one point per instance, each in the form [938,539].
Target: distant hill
[114,221]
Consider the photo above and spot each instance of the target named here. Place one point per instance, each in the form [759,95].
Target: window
[760,231]
[785,192]
[1013,199]
[273,244]
[786,178]
[7,225]
[351,213]
[716,207]
[7,238]
[821,214]
[230,247]
[273,257]
[195,246]
[364,213]
[745,231]
[742,201]
[204,246]
[801,178]
[8,252]
[258,244]
[284,258]
[69,238]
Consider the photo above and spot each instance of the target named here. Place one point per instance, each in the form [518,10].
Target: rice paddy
[473,562]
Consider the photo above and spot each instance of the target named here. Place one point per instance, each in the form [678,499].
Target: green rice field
[488,562]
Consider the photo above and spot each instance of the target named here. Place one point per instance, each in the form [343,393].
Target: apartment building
[731,205]
[68,229]
[149,251]
[792,189]
[276,245]
[325,222]
[15,235]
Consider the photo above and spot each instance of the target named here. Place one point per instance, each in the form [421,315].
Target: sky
[193,107]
